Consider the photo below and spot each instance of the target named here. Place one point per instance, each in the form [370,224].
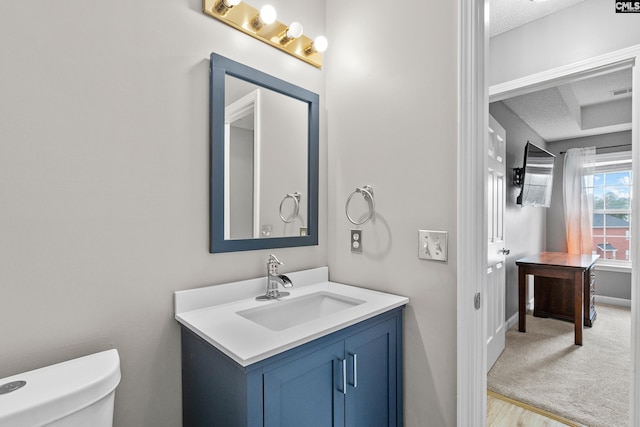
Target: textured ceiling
[505,15]
[581,108]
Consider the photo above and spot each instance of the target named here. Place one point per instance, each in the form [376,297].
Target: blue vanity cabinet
[371,381]
[306,391]
[352,377]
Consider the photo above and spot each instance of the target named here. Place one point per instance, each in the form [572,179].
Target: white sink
[283,314]
[228,317]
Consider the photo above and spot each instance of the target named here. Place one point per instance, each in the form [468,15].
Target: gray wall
[614,284]
[525,227]
[104,170]
[585,30]
[392,114]
[609,283]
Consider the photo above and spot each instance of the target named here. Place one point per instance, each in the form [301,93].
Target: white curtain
[579,166]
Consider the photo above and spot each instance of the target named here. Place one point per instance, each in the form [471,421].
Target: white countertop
[211,313]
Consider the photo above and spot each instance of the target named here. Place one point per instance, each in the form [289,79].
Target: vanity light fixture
[293,32]
[224,6]
[262,25]
[319,44]
[267,16]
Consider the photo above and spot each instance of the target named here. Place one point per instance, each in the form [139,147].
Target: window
[612,207]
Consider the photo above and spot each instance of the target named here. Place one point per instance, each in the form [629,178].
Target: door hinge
[476,301]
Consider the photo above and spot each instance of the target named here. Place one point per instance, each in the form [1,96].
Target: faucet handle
[272,265]
[273,260]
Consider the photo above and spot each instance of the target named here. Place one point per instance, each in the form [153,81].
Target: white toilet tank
[75,393]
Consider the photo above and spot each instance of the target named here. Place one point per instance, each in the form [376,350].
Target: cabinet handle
[340,382]
[354,357]
[344,376]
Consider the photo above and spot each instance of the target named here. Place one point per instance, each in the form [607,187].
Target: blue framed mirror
[264,160]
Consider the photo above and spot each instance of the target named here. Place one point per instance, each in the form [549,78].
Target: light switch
[432,245]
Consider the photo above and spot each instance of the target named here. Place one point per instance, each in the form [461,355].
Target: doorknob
[505,251]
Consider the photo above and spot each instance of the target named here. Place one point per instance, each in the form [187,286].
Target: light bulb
[224,6]
[295,30]
[320,44]
[268,14]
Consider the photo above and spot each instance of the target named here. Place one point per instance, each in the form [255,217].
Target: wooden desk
[556,265]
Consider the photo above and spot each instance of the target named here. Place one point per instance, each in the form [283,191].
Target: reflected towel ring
[367,193]
[296,210]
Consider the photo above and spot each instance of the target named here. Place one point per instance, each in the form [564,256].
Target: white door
[495,293]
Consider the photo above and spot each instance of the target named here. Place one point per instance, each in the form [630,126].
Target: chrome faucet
[274,279]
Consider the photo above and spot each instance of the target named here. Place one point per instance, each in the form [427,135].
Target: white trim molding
[613,301]
[607,63]
[635,248]
[473,116]
[512,321]
[608,266]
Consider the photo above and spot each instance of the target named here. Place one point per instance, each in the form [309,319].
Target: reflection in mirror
[241,144]
[264,160]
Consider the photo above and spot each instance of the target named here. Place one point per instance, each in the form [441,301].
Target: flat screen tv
[537,177]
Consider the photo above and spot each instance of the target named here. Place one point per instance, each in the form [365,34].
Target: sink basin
[284,314]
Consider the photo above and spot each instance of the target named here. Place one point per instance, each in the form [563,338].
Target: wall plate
[432,245]
[356,241]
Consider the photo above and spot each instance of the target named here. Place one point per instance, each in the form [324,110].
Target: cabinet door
[371,399]
[307,391]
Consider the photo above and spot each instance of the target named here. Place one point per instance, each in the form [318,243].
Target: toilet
[78,393]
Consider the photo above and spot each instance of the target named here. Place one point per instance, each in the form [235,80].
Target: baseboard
[613,301]
[512,321]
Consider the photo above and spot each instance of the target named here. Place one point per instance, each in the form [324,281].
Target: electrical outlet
[356,241]
[432,245]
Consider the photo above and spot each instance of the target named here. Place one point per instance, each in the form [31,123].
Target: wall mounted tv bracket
[518,176]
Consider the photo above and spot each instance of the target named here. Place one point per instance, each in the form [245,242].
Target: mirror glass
[266,162]
[264,150]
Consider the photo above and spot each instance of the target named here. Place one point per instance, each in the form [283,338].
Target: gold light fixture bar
[241,17]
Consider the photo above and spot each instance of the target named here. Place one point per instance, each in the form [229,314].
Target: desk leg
[578,280]
[522,300]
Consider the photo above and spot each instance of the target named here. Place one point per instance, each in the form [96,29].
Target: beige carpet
[588,384]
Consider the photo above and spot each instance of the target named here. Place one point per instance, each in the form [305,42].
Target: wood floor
[504,412]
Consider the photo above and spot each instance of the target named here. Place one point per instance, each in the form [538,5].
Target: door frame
[247,105]
[473,92]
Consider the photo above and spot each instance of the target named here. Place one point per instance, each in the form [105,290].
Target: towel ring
[367,193]
[296,210]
